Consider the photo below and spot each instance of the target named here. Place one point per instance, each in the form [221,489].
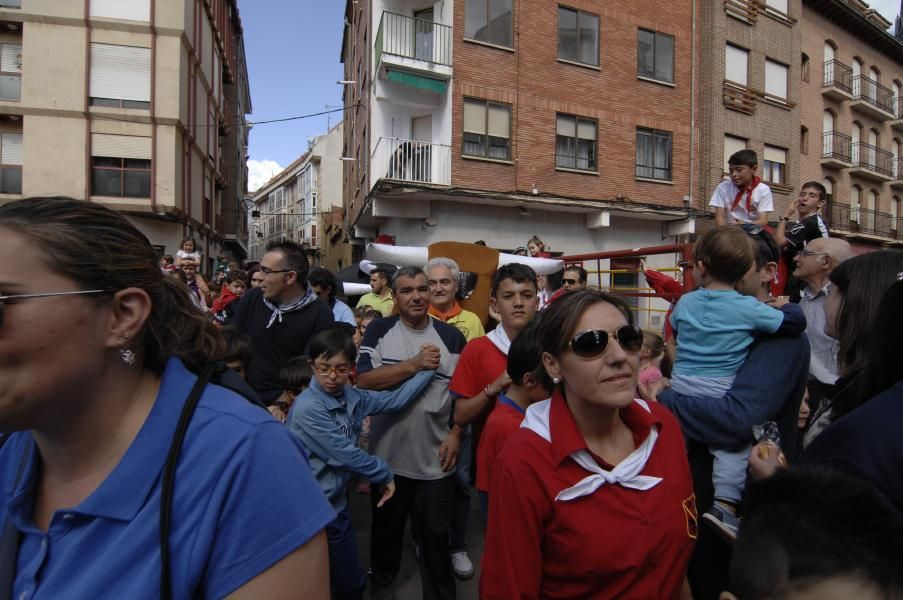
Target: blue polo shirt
[244,499]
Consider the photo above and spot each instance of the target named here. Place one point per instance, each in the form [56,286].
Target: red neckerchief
[445,316]
[748,191]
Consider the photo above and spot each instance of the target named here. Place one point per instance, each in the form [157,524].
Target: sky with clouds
[293,50]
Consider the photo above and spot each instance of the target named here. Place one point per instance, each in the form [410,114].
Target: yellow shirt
[467,323]
[383,305]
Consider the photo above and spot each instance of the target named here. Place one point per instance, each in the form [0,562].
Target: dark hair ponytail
[100,249]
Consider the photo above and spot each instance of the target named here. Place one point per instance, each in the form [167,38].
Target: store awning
[417,81]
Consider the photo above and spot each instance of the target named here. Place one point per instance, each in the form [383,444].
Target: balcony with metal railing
[414,52]
[837,150]
[897,181]
[872,163]
[855,219]
[897,122]
[838,81]
[412,161]
[872,98]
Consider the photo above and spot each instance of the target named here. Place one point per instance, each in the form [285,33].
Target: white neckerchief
[626,473]
[278,310]
[499,339]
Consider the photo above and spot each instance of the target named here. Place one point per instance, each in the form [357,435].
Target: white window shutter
[129,10]
[777,155]
[120,146]
[120,72]
[499,121]
[735,64]
[474,117]
[11,58]
[731,145]
[775,79]
[566,126]
[586,130]
[11,148]
[778,5]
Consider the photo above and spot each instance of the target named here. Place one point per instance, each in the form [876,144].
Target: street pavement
[407,584]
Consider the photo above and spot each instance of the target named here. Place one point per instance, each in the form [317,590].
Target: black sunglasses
[594,342]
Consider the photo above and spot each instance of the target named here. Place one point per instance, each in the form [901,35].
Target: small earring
[556,381]
[127,356]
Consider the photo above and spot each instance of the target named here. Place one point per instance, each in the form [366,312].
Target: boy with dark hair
[326,286]
[238,350]
[816,533]
[224,307]
[295,378]
[327,419]
[743,198]
[715,326]
[529,383]
[794,236]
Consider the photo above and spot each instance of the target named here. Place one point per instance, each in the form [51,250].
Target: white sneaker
[461,565]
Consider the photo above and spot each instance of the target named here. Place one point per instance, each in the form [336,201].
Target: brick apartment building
[498,120]
[852,122]
[135,104]
[750,91]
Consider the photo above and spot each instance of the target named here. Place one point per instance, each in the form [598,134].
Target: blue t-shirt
[715,329]
[244,499]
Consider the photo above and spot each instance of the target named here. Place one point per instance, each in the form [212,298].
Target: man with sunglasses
[768,387]
[280,317]
[814,264]
[574,279]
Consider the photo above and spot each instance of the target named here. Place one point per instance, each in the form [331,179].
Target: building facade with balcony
[498,120]
[750,92]
[852,120]
[303,203]
[135,104]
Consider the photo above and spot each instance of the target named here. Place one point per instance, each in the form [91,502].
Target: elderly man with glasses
[814,264]
[280,316]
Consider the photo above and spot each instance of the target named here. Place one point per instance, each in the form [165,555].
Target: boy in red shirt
[529,383]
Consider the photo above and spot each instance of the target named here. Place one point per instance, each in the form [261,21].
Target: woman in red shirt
[592,497]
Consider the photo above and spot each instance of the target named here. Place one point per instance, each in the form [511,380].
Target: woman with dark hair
[125,475]
[863,438]
[592,496]
[850,312]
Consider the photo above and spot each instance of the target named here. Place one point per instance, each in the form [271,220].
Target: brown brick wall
[815,31]
[770,124]
[357,120]
[538,86]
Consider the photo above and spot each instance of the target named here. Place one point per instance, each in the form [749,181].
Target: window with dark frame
[655,55]
[774,165]
[575,142]
[487,129]
[653,154]
[123,177]
[578,36]
[489,21]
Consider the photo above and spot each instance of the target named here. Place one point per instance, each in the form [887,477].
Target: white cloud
[261,171]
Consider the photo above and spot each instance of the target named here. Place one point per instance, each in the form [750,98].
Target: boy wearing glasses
[327,418]
[715,326]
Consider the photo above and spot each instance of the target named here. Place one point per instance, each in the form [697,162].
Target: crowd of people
[169,435]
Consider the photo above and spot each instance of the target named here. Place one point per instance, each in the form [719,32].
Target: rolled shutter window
[474,117]
[566,126]
[775,154]
[735,64]
[732,145]
[586,130]
[120,72]
[775,79]
[129,10]
[499,121]
[121,146]
[11,148]
[11,58]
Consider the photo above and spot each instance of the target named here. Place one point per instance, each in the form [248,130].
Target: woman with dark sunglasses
[592,497]
[99,358]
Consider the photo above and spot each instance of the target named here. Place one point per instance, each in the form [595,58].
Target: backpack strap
[169,475]
[10,538]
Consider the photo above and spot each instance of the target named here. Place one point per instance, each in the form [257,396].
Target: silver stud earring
[556,381]
[127,356]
